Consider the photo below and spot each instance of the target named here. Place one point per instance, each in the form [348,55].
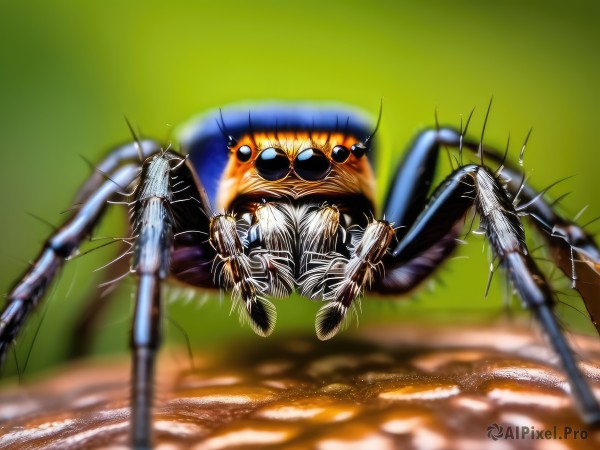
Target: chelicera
[282,199]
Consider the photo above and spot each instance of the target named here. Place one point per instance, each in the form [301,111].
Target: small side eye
[231,141]
[272,164]
[244,153]
[340,153]
[358,149]
[312,164]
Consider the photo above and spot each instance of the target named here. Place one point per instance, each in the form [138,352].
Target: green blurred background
[70,71]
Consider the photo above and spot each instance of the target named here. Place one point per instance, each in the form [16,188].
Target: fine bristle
[329,320]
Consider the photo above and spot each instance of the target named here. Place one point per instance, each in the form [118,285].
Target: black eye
[312,164]
[272,164]
[231,141]
[340,153]
[358,150]
[244,153]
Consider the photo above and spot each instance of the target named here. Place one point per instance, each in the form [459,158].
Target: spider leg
[406,198]
[133,152]
[407,195]
[478,186]
[192,256]
[573,249]
[28,291]
[153,223]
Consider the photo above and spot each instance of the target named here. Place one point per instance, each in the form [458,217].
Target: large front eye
[340,153]
[272,164]
[312,164]
[244,153]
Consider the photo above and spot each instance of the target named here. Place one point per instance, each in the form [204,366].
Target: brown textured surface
[418,387]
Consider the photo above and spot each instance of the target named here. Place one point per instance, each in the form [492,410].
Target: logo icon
[495,431]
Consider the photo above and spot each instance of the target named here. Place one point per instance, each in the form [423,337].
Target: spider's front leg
[474,185]
[153,224]
[154,219]
[169,213]
[112,176]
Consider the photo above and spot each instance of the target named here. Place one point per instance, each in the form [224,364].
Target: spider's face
[296,152]
[295,164]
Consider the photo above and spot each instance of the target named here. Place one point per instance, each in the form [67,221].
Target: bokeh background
[70,71]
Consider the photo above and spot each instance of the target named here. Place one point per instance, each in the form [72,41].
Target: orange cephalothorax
[295,164]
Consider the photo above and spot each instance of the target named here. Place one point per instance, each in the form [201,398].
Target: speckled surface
[415,388]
